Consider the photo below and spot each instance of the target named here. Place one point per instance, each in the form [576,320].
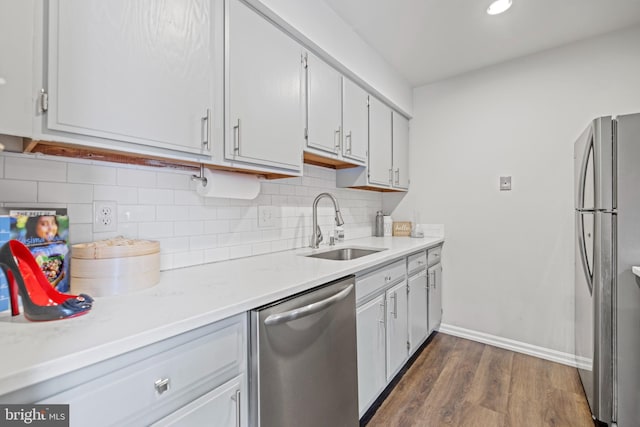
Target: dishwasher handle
[307,310]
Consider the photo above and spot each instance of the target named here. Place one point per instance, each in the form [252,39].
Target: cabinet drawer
[417,261]
[378,279]
[155,386]
[433,255]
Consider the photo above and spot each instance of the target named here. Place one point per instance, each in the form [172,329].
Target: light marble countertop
[185,299]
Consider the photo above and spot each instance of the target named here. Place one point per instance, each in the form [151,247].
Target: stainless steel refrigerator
[607,293]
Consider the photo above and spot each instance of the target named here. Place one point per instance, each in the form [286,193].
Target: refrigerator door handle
[583,252]
[583,169]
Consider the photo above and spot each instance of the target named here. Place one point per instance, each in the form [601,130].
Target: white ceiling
[428,40]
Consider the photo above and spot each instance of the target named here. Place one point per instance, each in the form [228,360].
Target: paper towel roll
[228,185]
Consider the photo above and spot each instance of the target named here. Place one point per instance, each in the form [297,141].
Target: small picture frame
[402,228]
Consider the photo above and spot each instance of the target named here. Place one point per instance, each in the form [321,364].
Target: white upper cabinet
[265,115]
[355,117]
[138,72]
[380,139]
[400,151]
[324,105]
[16,67]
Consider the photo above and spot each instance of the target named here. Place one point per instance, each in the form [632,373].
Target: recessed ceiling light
[498,6]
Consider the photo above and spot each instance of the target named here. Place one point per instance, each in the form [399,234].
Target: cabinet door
[131,71]
[16,67]
[397,333]
[324,105]
[400,151]
[355,120]
[435,296]
[265,121]
[221,406]
[418,320]
[371,352]
[379,143]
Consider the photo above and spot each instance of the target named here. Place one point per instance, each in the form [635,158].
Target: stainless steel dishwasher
[303,359]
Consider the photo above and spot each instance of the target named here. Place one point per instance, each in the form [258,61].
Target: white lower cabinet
[371,351]
[381,317]
[435,296]
[221,406]
[397,332]
[418,304]
[394,316]
[196,378]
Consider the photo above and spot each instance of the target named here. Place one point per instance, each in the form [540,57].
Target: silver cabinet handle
[390,176]
[432,279]
[236,138]
[205,129]
[394,297]
[236,399]
[398,176]
[307,310]
[161,385]
[348,138]
[337,138]
[382,309]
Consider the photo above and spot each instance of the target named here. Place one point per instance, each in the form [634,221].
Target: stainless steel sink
[345,254]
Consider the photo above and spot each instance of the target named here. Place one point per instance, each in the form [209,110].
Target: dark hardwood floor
[457,382]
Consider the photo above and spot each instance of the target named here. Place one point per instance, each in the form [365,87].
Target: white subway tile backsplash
[188,228]
[162,204]
[240,251]
[80,233]
[121,195]
[188,197]
[35,169]
[196,213]
[136,178]
[91,174]
[138,213]
[176,181]
[217,254]
[55,192]
[203,242]
[155,230]
[174,244]
[185,259]
[128,230]
[80,213]
[154,196]
[261,248]
[18,191]
[216,227]
[170,213]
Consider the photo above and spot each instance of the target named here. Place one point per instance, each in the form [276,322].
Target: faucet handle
[319,234]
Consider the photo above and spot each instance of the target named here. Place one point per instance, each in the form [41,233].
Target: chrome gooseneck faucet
[316,236]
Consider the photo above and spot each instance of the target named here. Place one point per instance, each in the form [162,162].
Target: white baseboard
[508,344]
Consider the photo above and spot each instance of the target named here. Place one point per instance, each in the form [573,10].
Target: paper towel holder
[201,177]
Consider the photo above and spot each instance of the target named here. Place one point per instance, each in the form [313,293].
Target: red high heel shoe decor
[40,300]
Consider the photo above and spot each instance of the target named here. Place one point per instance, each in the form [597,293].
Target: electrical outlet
[104,216]
[266,216]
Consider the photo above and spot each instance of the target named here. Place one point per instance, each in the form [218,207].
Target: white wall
[508,256]
[319,23]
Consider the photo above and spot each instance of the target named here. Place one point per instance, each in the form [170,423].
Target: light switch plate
[505,183]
